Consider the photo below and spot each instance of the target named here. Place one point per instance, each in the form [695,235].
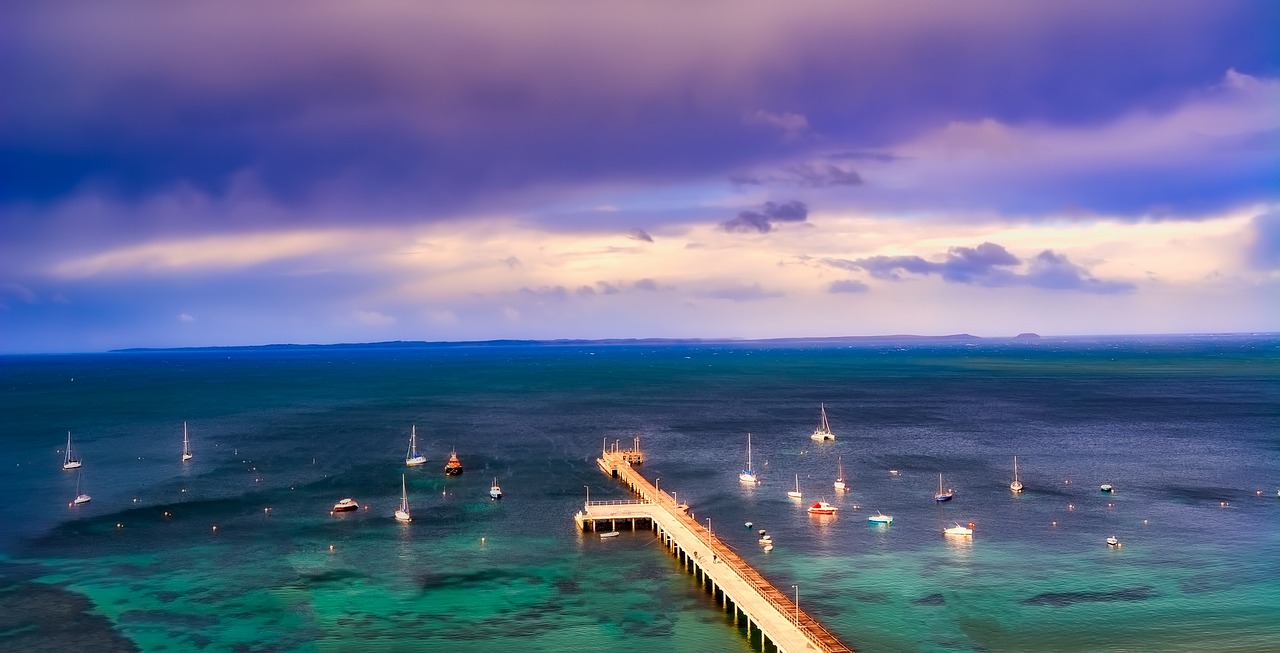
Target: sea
[237,550]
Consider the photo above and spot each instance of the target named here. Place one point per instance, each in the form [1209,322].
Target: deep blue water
[1186,428]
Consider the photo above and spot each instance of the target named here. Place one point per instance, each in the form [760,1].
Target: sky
[178,173]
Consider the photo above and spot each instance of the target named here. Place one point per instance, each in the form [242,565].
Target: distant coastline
[608,342]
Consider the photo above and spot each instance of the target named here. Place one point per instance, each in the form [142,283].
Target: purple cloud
[762,221]
[842,286]
[749,293]
[988,265]
[1264,251]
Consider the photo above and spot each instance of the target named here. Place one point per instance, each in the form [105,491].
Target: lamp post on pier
[797,589]
[588,496]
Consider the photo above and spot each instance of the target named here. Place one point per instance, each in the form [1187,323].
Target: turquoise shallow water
[1188,429]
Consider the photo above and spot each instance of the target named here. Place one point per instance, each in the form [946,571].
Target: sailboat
[411,457]
[943,495]
[1016,485]
[748,475]
[70,461]
[186,444]
[495,492]
[795,494]
[839,484]
[403,513]
[80,496]
[823,432]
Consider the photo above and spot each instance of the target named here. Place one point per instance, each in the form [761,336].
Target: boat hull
[75,464]
[403,516]
[414,462]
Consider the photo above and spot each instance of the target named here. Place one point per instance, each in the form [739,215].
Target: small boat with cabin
[959,531]
[495,492]
[411,457]
[943,495]
[1113,541]
[454,466]
[880,519]
[1106,488]
[748,475]
[70,461]
[795,494]
[823,432]
[402,514]
[822,508]
[346,505]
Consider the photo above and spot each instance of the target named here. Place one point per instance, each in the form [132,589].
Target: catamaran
[823,432]
[748,475]
[70,461]
[186,444]
[403,513]
[943,495]
[1016,485]
[412,457]
[839,484]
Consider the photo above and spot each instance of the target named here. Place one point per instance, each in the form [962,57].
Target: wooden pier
[735,584]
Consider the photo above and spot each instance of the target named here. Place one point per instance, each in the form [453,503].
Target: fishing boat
[454,466]
[839,484]
[346,505]
[495,492]
[1016,485]
[943,495]
[795,494]
[412,458]
[186,444]
[70,461]
[1113,541]
[823,432]
[880,519]
[748,475]
[1106,487]
[959,531]
[403,513]
[81,497]
[822,508]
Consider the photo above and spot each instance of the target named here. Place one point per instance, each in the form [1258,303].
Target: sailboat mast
[748,449]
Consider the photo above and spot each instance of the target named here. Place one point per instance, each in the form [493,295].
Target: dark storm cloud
[424,110]
[1264,251]
[988,265]
[763,220]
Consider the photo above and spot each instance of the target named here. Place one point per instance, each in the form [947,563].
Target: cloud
[847,286]
[558,293]
[640,234]
[803,175]
[742,293]
[373,319]
[1264,251]
[512,262]
[186,318]
[988,265]
[762,221]
[792,125]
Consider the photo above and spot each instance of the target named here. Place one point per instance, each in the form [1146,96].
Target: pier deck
[727,576]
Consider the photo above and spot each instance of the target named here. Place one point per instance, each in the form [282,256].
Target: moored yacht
[822,508]
[943,495]
[70,461]
[495,492]
[959,530]
[748,475]
[1016,485]
[412,458]
[1106,487]
[823,432]
[880,519]
[402,514]
[346,505]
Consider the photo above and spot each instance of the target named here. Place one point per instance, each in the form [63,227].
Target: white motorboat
[880,519]
[958,530]
[1113,541]
[822,508]
[346,505]
[495,492]
[1107,488]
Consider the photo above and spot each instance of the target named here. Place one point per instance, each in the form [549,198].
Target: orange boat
[454,466]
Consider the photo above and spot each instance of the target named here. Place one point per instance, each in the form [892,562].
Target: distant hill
[1027,336]
[421,344]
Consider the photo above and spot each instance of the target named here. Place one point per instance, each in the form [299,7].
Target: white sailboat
[186,444]
[748,475]
[943,495]
[403,513]
[823,432]
[1016,485]
[70,461]
[80,496]
[839,484]
[795,494]
[411,457]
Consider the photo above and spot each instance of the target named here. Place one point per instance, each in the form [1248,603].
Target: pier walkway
[730,579]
